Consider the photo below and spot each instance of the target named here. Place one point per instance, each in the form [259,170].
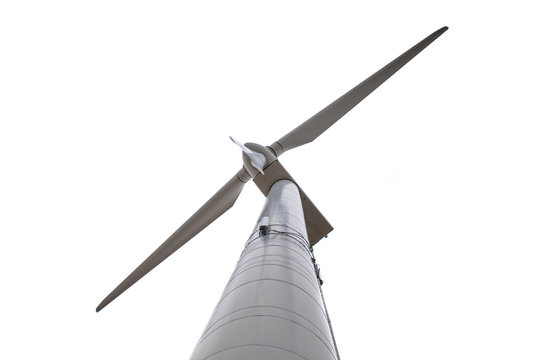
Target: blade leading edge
[320,122]
[218,204]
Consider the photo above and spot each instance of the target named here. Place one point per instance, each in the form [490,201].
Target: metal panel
[316,224]
[272,307]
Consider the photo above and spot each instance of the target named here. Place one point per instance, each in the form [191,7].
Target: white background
[114,125]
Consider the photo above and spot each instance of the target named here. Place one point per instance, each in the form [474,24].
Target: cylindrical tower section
[271,307]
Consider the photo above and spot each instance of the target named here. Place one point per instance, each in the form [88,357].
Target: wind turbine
[272,306]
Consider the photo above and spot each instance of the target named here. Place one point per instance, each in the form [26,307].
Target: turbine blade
[218,204]
[320,122]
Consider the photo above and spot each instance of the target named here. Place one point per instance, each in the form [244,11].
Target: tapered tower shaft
[272,306]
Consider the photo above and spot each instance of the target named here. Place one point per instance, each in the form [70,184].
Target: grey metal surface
[271,307]
[222,201]
[317,225]
[320,122]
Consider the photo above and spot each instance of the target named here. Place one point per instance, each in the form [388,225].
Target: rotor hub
[263,150]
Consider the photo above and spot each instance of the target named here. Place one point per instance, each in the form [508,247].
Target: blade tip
[102,305]
[439,32]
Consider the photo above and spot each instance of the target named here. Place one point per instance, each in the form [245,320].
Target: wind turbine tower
[273,306]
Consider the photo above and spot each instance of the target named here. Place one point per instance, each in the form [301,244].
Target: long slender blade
[218,204]
[320,122]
